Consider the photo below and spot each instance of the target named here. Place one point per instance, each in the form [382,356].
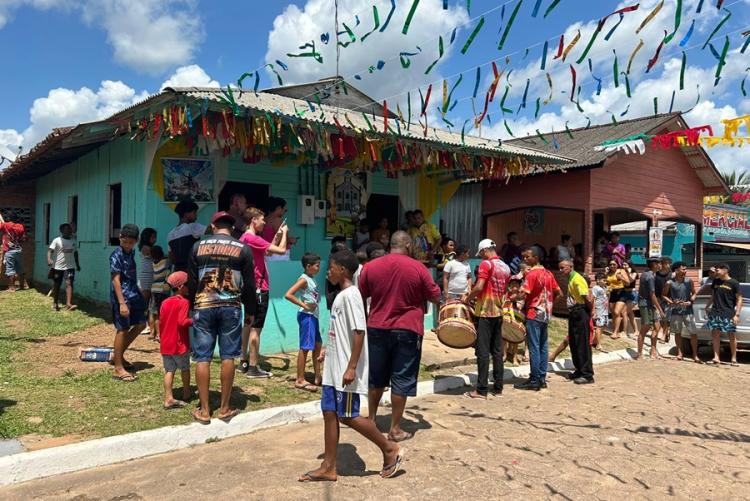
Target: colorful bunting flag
[510,24]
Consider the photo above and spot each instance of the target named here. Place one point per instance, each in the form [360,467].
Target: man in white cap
[492,281]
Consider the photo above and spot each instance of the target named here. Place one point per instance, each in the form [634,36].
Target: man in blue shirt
[128,306]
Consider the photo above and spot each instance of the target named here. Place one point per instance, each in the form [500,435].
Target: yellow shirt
[578,289]
[423,240]
[614,281]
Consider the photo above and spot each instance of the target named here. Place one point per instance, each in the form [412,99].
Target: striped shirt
[161,270]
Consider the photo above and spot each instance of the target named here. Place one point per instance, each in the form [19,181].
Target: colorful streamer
[473,35]
[549,82]
[656,105]
[476,81]
[440,55]
[671,103]
[598,30]
[682,70]
[700,6]
[747,42]
[390,15]
[376,18]
[633,54]
[615,71]
[538,106]
[404,57]
[536,8]
[717,28]
[447,101]
[507,128]
[627,85]
[689,34]
[510,24]
[312,53]
[722,61]
[453,36]
[502,101]
[573,77]
[650,17]
[350,33]
[282,65]
[409,17]
[677,20]
[544,55]
[614,28]
[560,47]
[568,131]
[525,95]
[571,45]
[598,80]
[653,60]
[742,85]
[551,7]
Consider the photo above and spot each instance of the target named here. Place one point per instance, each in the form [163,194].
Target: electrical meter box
[306,209]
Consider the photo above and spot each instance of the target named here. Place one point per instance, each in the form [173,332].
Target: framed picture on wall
[533,221]
[188,179]
[346,196]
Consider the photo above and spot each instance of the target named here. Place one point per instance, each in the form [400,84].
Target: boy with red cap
[175,323]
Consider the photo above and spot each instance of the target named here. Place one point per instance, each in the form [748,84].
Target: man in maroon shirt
[398,287]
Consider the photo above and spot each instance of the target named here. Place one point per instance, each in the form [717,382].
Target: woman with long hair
[629,294]
[617,279]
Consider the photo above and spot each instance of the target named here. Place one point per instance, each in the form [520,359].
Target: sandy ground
[645,430]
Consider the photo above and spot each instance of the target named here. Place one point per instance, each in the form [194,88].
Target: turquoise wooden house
[208,143]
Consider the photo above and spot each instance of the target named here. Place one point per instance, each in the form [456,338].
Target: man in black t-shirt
[661,277]
[723,311]
[221,280]
[182,238]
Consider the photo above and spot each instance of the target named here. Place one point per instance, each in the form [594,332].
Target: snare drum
[456,328]
[514,324]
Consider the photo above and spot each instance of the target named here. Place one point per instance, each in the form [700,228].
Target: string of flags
[683,138]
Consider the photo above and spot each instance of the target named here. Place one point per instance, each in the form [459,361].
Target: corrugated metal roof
[272,103]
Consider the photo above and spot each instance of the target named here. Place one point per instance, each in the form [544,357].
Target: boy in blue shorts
[304,293]
[345,374]
[128,306]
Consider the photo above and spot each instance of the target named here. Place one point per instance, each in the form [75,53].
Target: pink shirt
[259,247]
[268,233]
[398,286]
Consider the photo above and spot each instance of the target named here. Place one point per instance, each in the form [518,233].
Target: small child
[345,375]
[511,349]
[128,305]
[457,275]
[304,293]
[159,288]
[175,339]
[601,307]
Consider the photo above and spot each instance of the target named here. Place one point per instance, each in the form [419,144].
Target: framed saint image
[346,197]
[188,179]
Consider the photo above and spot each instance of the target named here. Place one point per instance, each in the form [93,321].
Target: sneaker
[543,385]
[243,367]
[583,380]
[527,385]
[572,375]
[256,373]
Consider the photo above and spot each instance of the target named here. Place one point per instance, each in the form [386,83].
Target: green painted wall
[122,161]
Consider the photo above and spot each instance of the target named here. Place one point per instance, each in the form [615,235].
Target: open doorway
[382,206]
[255,194]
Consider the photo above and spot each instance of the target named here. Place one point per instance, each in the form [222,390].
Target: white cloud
[64,107]
[296,26]
[189,76]
[151,36]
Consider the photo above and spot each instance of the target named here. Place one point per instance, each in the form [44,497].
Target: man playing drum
[492,280]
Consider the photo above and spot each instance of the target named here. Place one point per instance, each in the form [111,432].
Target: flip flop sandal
[228,417]
[405,436]
[712,362]
[126,365]
[734,364]
[71,307]
[309,477]
[395,466]
[177,404]
[307,387]
[125,378]
[474,396]
[198,418]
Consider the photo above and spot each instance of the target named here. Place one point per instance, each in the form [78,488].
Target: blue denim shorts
[137,307]
[394,360]
[222,324]
[13,263]
[309,331]
[345,404]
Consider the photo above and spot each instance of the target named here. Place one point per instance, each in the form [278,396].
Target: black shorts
[260,314]
[67,275]
[618,296]
[394,357]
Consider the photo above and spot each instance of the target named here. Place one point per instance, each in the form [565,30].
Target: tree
[739,186]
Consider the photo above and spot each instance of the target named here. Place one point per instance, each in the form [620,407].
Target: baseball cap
[222,215]
[485,244]
[185,206]
[177,279]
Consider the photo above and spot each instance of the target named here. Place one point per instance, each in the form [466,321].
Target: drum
[456,328]
[514,324]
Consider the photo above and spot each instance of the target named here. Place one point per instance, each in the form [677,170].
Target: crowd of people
[215,280]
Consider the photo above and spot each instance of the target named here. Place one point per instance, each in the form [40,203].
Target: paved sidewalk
[645,430]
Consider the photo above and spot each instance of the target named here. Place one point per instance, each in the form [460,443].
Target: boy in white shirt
[62,258]
[601,307]
[457,275]
[345,374]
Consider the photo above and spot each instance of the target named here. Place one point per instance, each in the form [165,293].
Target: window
[115,213]
[46,212]
[73,210]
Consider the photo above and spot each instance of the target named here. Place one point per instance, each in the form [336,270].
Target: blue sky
[72,61]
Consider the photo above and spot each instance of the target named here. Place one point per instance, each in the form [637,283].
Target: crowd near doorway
[256,194]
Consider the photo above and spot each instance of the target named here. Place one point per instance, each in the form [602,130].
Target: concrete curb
[27,466]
